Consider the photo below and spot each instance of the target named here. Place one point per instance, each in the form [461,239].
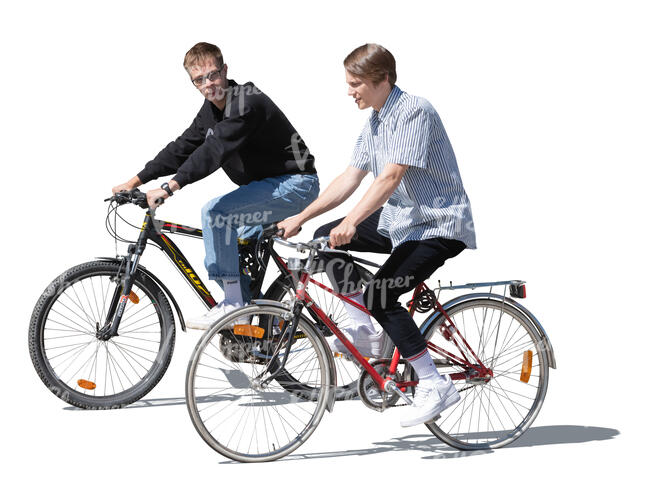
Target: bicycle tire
[123,369]
[517,401]
[225,377]
[347,369]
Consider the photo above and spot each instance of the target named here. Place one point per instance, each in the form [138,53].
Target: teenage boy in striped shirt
[416,210]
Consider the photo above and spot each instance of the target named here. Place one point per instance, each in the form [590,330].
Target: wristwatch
[167,189]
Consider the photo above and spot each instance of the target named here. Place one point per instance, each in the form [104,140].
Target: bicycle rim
[495,413]
[91,373]
[231,411]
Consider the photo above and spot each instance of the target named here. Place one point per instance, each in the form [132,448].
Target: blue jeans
[242,212]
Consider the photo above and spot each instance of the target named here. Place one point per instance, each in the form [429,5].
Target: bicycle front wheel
[88,372]
[495,411]
[231,406]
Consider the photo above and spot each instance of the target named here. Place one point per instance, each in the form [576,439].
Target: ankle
[232,292]
[424,367]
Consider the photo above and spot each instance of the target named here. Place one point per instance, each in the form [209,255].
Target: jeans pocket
[300,188]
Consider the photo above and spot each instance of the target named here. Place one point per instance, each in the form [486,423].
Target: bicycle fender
[512,303]
[330,358]
[147,273]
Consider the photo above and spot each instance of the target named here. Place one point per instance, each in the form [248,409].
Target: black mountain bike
[102,333]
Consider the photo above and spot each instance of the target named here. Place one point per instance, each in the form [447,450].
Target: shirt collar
[393,96]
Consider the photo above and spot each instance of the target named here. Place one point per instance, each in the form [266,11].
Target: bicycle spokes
[467,358]
[503,387]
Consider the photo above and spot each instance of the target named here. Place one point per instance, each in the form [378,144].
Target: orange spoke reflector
[343,356]
[133,297]
[526,366]
[248,330]
[86,384]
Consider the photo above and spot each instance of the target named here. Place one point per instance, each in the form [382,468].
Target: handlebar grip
[270,230]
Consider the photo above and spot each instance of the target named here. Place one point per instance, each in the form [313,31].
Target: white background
[546,105]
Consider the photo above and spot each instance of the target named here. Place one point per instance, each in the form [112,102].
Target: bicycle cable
[112,229]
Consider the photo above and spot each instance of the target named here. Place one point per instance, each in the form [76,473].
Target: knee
[214,214]
[372,299]
[206,210]
[211,207]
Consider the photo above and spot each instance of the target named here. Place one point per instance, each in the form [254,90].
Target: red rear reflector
[86,384]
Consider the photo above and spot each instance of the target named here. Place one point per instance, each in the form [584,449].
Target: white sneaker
[429,401]
[367,341]
[206,320]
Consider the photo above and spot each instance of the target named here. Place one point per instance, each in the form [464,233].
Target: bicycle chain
[404,404]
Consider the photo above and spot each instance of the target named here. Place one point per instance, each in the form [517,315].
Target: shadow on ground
[436,449]
[429,444]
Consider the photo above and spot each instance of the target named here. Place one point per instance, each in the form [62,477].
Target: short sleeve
[360,155]
[410,140]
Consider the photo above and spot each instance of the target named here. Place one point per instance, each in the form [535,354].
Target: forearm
[134,182]
[334,195]
[173,185]
[170,158]
[378,193]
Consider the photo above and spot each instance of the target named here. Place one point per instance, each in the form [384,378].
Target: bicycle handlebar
[319,243]
[134,196]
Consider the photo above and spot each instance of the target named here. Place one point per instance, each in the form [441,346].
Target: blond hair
[201,52]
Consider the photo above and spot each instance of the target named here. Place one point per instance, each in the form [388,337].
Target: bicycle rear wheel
[492,412]
[230,407]
[83,370]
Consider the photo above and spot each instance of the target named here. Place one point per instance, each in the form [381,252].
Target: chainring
[371,395]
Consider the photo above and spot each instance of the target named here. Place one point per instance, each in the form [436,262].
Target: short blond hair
[201,52]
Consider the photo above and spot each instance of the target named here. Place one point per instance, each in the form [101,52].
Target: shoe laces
[422,393]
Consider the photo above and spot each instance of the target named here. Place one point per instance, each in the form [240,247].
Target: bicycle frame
[155,233]
[473,370]
[155,230]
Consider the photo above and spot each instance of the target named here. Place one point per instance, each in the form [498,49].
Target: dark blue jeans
[408,264]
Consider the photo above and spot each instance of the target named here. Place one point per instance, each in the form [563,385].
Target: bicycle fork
[125,279]
[290,326]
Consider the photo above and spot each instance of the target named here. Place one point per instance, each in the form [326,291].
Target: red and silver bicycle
[257,391]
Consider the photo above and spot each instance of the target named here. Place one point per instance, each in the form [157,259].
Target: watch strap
[167,189]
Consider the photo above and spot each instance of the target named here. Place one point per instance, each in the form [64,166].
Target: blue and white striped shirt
[430,201]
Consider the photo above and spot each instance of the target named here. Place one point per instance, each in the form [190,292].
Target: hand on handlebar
[342,234]
[127,186]
[290,226]
[156,197]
